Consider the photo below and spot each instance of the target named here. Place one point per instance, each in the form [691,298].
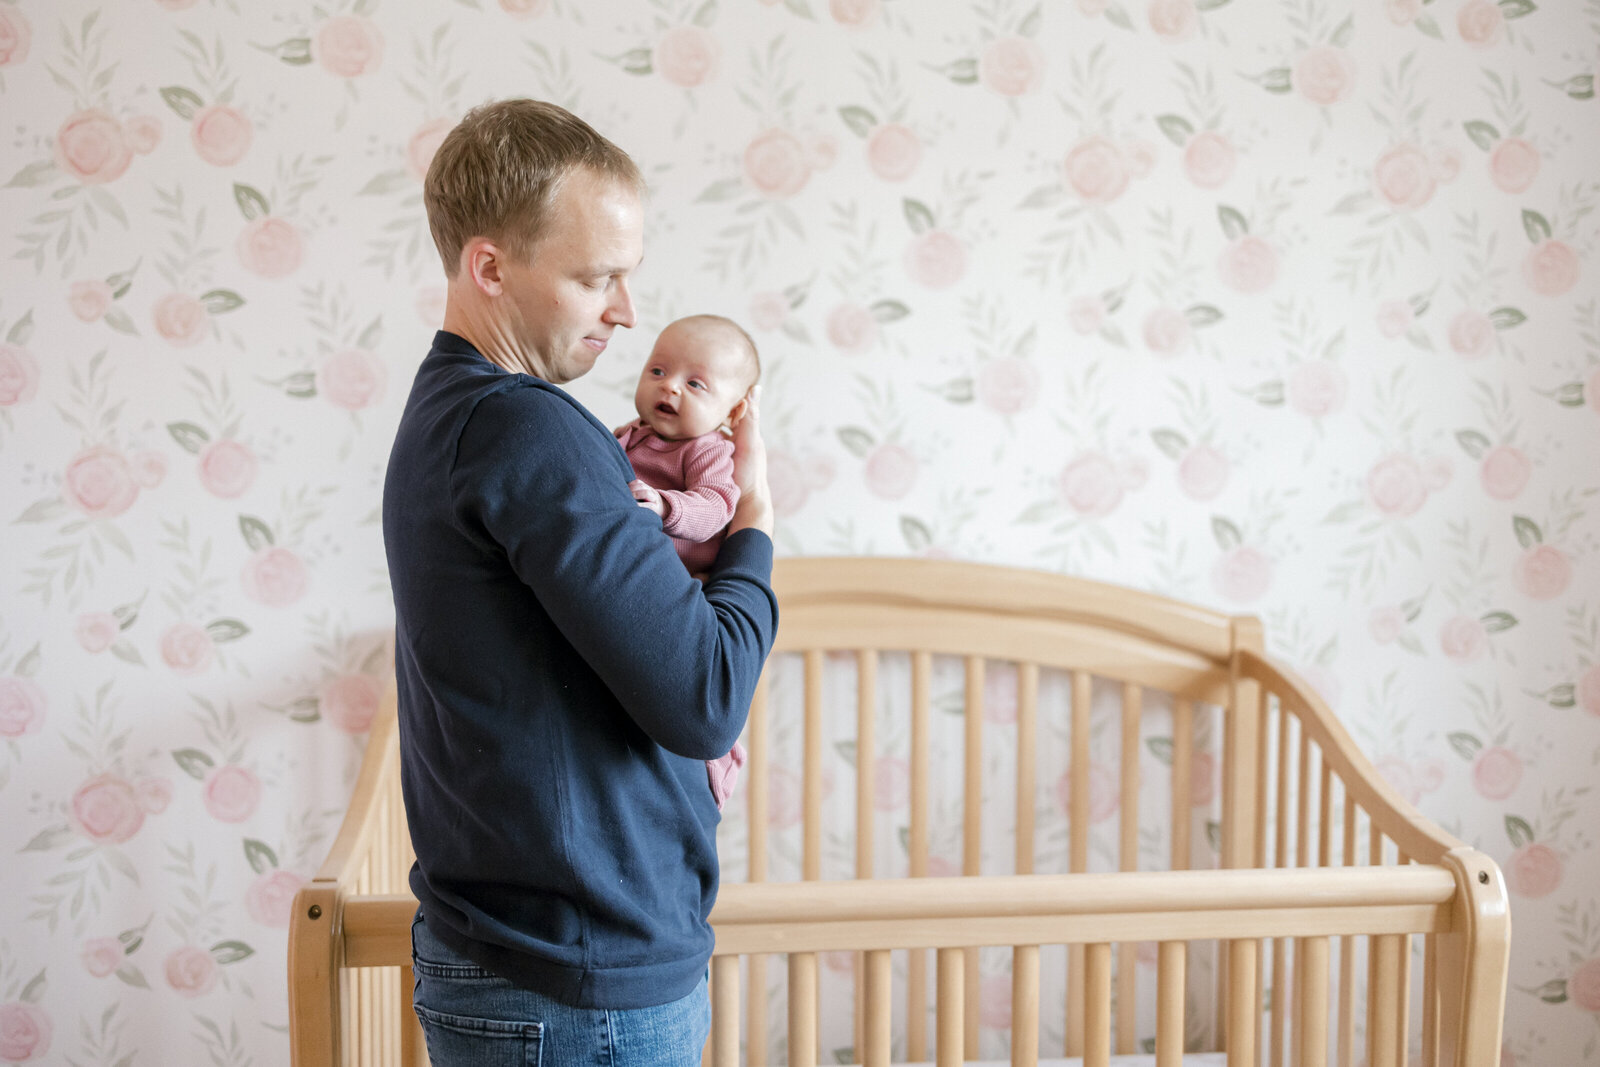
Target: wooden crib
[1306,916]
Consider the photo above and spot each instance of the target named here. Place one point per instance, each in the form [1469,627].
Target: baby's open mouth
[666,409]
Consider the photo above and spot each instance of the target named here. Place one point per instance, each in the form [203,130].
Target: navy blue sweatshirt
[561,681]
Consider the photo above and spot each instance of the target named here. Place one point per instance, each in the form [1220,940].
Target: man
[561,677]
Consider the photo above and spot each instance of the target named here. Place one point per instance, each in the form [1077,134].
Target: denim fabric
[474,1018]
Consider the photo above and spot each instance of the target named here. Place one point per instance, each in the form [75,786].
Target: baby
[697,380]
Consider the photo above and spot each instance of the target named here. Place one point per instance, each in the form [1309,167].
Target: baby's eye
[696,383]
[656,372]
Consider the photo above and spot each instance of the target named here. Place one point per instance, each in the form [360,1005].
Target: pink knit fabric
[723,773]
[695,479]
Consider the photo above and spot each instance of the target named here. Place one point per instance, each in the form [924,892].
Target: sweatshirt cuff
[748,549]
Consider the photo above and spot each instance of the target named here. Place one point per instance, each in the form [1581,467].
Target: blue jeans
[474,1018]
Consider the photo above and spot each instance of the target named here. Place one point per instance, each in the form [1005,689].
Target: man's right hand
[754,509]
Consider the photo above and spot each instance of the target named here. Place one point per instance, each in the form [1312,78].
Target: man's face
[563,305]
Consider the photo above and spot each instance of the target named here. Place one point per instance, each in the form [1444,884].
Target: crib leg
[1169,1003]
[725,1011]
[413,1050]
[1244,1007]
[878,1001]
[1025,1006]
[952,1013]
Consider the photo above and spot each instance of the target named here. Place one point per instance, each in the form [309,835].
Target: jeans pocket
[467,1041]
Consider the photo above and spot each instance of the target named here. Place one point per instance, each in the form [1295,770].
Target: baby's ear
[739,411]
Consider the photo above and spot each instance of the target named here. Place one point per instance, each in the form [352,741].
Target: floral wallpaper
[1287,307]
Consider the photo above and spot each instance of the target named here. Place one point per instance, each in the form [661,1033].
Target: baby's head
[697,377]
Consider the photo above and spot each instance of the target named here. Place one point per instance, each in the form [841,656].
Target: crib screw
[315,911]
[1483,877]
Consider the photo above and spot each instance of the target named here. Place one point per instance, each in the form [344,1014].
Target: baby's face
[691,382]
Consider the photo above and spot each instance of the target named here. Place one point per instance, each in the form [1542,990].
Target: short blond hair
[497,171]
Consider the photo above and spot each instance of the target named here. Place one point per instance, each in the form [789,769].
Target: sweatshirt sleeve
[540,478]
[705,504]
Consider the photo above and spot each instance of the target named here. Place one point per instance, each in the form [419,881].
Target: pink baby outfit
[695,480]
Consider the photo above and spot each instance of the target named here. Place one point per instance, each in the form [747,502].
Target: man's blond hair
[498,170]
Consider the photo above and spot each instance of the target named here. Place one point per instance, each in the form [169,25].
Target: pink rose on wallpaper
[1316,388]
[852,328]
[24,1032]
[1396,486]
[994,1002]
[1542,572]
[1403,12]
[1513,165]
[1550,268]
[1535,870]
[101,955]
[1011,66]
[1394,317]
[1583,985]
[270,247]
[180,319]
[1090,485]
[936,259]
[106,810]
[1209,159]
[1202,472]
[352,378]
[1205,779]
[768,310]
[891,471]
[1463,638]
[1446,163]
[1403,178]
[231,793]
[687,56]
[1007,385]
[149,468]
[1481,23]
[1504,472]
[227,468]
[1248,265]
[144,133]
[853,12]
[96,630]
[349,46]
[1086,313]
[187,648]
[190,971]
[1096,170]
[1141,156]
[154,794]
[19,375]
[221,134]
[822,150]
[274,576]
[524,9]
[1174,20]
[891,783]
[1397,772]
[1587,690]
[1496,772]
[423,144]
[89,299]
[350,701]
[271,896]
[1325,75]
[893,152]
[99,482]
[1385,623]
[91,147]
[22,706]
[839,962]
[1104,798]
[1242,574]
[1471,333]
[1166,330]
[787,481]
[15,36]
[775,163]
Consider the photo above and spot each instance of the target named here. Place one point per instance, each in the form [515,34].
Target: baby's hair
[746,341]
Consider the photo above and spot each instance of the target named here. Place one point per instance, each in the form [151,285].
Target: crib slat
[866,757]
[1078,840]
[1311,1049]
[917,964]
[951,1012]
[413,1050]
[972,827]
[755,1011]
[1025,1006]
[1171,961]
[1325,817]
[803,1009]
[1347,952]
[1182,782]
[876,1030]
[1097,1005]
[1128,856]
[1384,990]
[1430,1000]
[811,859]
[1243,997]
[1027,739]
[1278,1018]
[725,1010]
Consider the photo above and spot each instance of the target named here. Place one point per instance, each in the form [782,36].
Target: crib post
[314,958]
[1241,799]
[1472,988]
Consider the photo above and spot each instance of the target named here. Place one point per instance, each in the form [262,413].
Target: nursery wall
[1286,307]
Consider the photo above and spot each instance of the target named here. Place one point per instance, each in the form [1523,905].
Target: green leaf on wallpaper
[1352,203]
[918,216]
[224,630]
[1277,80]
[1178,129]
[1200,316]
[1037,511]
[962,71]
[916,533]
[1473,443]
[43,510]
[34,990]
[1507,317]
[1527,531]
[1028,28]
[186,103]
[301,384]
[372,336]
[1516,9]
[190,438]
[1518,830]
[858,441]
[388,182]
[1467,746]
[1552,992]
[1226,533]
[1570,395]
[1483,135]
[1214,835]
[125,651]
[1269,393]
[1233,222]
[799,7]
[21,330]
[707,15]
[119,320]
[295,51]
[634,61]
[252,205]
[259,855]
[1562,696]
[1535,225]
[119,859]
[1171,443]
[1119,17]
[846,750]
[221,301]
[231,951]
[193,762]
[889,311]
[859,119]
[717,192]
[28,665]
[1161,749]
[956,390]
[51,837]
[257,534]
[1579,86]
[32,175]
[1042,197]
[128,974]
[1427,25]
[1209,5]
[1341,35]
[1497,621]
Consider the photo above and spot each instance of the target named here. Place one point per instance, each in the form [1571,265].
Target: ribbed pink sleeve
[705,504]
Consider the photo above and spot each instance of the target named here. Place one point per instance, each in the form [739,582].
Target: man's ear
[482,260]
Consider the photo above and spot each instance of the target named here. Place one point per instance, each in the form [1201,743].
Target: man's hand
[750,469]
[648,498]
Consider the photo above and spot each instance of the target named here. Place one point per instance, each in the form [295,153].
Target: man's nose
[620,311]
